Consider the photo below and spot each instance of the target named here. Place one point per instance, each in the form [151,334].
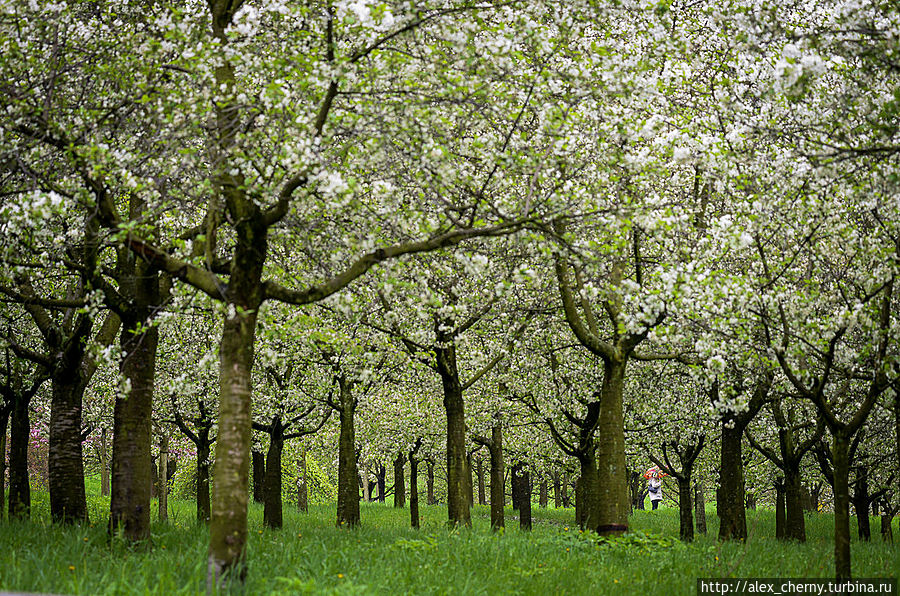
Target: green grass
[385,556]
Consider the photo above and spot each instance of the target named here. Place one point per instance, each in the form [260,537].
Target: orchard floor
[385,556]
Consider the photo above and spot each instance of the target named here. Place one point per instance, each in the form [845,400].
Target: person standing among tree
[654,485]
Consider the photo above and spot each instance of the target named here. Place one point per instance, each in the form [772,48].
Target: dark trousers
[655,504]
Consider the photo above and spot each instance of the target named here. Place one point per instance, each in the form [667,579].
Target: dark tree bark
[399,482]
[779,508]
[730,496]
[129,507]
[258,461]
[479,472]
[454,409]
[700,508]
[139,285]
[515,482]
[272,504]
[104,463]
[164,477]
[414,484]
[381,481]
[525,490]
[203,442]
[543,498]
[557,491]
[687,453]
[429,481]
[498,492]
[4,425]
[348,489]
[19,437]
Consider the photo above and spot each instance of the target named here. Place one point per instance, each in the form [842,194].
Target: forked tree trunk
[730,496]
[129,504]
[348,487]
[163,477]
[273,506]
[19,485]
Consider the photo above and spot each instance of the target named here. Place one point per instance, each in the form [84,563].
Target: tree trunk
[399,484]
[515,482]
[457,498]
[228,522]
[273,506]
[779,509]
[203,455]
[612,505]
[129,504]
[366,485]
[794,522]
[525,489]
[380,480]
[498,492]
[413,491]
[479,469]
[4,424]
[19,437]
[861,503]
[730,496]
[557,491]
[841,508]
[700,508]
[258,461]
[887,532]
[588,495]
[68,502]
[348,488]
[429,481]
[542,495]
[302,482]
[104,464]
[163,476]
[685,509]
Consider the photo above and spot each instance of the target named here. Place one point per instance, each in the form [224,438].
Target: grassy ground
[385,556]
